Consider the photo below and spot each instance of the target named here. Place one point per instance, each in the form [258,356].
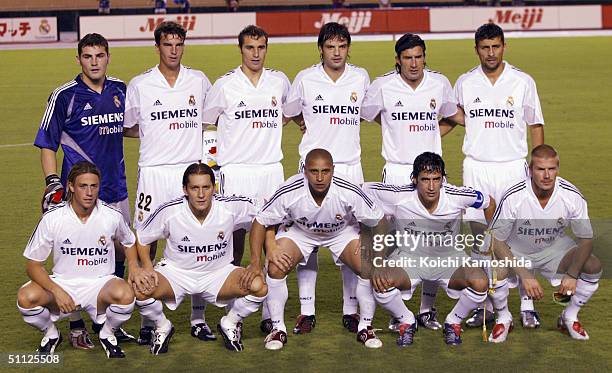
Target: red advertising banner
[358,21]
[606,16]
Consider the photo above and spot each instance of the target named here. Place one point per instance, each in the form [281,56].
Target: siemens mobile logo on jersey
[321,227]
[338,109]
[260,113]
[417,116]
[494,113]
[102,119]
[174,114]
[197,249]
[550,233]
[86,251]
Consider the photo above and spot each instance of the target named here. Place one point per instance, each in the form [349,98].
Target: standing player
[85,117]
[316,209]
[198,257]
[430,211]
[246,105]
[164,108]
[499,102]
[328,96]
[530,221]
[80,234]
[410,103]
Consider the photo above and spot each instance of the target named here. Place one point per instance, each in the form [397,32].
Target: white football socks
[586,286]
[242,308]
[349,288]
[500,301]
[392,302]
[116,315]
[152,312]
[429,290]
[367,305]
[469,300]
[277,298]
[198,308]
[39,318]
[307,282]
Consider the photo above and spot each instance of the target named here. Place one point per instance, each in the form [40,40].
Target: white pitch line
[15,145]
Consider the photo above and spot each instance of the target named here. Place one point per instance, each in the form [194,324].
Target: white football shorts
[256,181]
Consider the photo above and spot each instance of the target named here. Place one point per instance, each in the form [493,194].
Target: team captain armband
[480,200]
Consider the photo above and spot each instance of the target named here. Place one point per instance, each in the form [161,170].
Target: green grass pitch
[574,76]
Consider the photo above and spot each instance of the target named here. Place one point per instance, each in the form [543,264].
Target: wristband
[53,178]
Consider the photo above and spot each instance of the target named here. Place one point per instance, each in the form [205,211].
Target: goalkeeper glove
[54,192]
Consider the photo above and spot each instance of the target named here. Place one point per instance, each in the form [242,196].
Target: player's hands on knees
[142,281]
[533,288]
[381,281]
[279,258]
[63,300]
[248,275]
[568,285]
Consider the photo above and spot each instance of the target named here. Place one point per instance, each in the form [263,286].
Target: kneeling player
[316,209]
[529,225]
[429,211]
[198,258]
[80,233]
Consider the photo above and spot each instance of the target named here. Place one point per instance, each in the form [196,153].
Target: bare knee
[258,287]
[28,297]
[275,272]
[477,280]
[592,265]
[122,293]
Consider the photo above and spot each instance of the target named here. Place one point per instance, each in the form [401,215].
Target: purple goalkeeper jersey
[89,126]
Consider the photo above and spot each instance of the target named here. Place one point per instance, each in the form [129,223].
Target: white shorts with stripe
[84,292]
[397,173]
[308,244]
[206,284]
[351,172]
[492,178]
[255,181]
[157,185]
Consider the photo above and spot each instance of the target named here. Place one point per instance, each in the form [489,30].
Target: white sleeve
[124,234]
[293,104]
[580,222]
[206,86]
[40,244]
[458,91]
[132,106]
[449,101]
[532,111]
[286,89]
[373,102]
[503,221]
[274,211]
[244,213]
[366,211]
[215,104]
[155,227]
[382,195]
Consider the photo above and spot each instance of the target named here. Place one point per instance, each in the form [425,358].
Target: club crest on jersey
[448,226]
[102,241]
[510,101]
[117,101]
[192,100]
[339,217]
[353,96]
[432,104]
[274,101]
[560,222]
[140,216]
[220,236]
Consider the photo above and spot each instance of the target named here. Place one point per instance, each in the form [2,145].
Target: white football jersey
[169,118]
[409,116]
[344,205]
[331,110]
[410,217]
[192,245]
[528,228]
[80,250]
[496,116]
[249,118]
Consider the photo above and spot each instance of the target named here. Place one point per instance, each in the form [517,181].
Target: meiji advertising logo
[188,23]
[355,22]
[525,18]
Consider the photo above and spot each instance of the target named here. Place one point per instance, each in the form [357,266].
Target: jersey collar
[407,86]
[347,67]
[505,72]
[80,81]
[163,78]
[332,190]
[535,198]
[248,81]
[192,216]
[94,212]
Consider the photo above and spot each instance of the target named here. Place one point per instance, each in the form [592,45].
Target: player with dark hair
[328,96]
[316,209]
[85,117]
[164,108]
[529,224]
[413,105]
[198,258]
[80,233]
[501,106]
[430,211]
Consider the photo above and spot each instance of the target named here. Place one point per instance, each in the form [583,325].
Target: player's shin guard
[307,281]
[500,301]
[152,312]
[244,307]
[586,286]
[468,300]
[392,302]
[39,318]
[429,291]
[349,288]
[277,297]
[367,305]
[526,301]
[198,307]
[116,315]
